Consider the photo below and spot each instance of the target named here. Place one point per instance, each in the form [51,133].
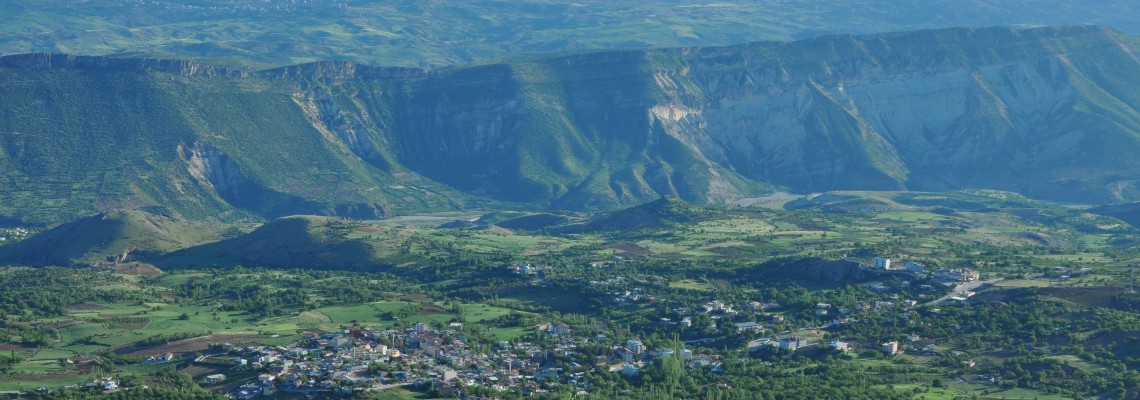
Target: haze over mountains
[418,33]
[1049,112]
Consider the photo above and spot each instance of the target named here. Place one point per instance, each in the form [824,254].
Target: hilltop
[658,214]
[108,238]
[289,242]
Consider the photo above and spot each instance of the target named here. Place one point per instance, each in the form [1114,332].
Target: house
[790,343]
[626,355]
[882,263]
[686,354]
[687,322]
[215,378]
[891,348]
[109,384]
[635,346]
[821,309]
[265,379]
[559,329]
[748,327]
[839,345]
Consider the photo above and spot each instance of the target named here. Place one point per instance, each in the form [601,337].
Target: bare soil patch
[417,298]
[180,347]
[125,323]
[1111,297]
[141,269]
[429,308]
[11,346]
[86,307]
[628,248]
[1115,337]
[43,377]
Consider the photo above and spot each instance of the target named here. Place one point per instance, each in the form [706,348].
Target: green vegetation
[1027,333]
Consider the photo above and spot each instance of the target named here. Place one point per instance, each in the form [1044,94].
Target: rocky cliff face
[1050,112]
[1013,110]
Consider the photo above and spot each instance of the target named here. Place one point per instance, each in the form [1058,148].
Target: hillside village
[440,358]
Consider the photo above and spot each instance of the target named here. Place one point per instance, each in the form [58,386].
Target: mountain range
[1049,112]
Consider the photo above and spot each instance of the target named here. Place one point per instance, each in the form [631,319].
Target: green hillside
[289,242]
[109,238]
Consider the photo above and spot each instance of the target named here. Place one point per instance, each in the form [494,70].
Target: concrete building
[635,346]
[839,345]
[890,348]
[882,263]
[790,343]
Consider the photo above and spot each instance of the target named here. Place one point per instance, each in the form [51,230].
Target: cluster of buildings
[1066,272]
[526,269]
[885,264]
[914,267]
[364,359]
[957,275]
[13,234]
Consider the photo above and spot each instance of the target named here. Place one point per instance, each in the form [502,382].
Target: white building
[635,346]
[882,263]
[839,345]
[790,343]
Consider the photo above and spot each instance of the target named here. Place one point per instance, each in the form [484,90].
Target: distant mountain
[1052,113]
[432,33]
